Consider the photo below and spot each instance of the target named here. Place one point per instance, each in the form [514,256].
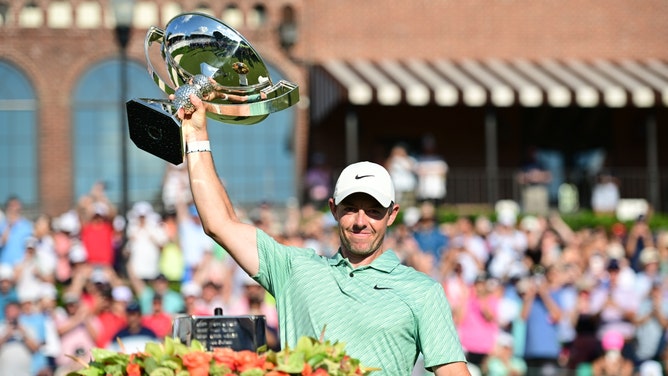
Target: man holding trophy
[384,312]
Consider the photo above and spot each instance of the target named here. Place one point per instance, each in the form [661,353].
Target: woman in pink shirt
[479,326]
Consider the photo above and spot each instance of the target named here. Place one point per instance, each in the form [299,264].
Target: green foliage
[170,358]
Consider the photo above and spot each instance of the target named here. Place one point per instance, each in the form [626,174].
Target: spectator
[428,234]
[94,202]
[28,274]
[617,304]
[456,288]
[432,171]
[172,301]
[507,246]
[216,269]
[77,330]
[612,362]
[171,255]
[36,322]
[535,179]
[97,237]
[649,273]
[158,321]
[47,304]
[14,230]
[146,238]
[502,361]
[192,293]
[639,237]
[175,186]
[7,288]
[586,346]
[211,298]
[650,368]
[45,248]
[510,308]
[65,237]
[542,312]
[479,323]
[133,335]
[318,181]
[651,322]
[18,343]
[605,194]
[110,313]
[471,240]
[192,239]
[402,167]
[404,242]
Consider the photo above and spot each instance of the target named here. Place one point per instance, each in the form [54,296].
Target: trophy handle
[155,34]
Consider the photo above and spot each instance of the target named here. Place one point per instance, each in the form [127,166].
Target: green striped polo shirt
[386,313]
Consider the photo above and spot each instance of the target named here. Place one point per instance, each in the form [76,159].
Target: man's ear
[393,214]
[332,208]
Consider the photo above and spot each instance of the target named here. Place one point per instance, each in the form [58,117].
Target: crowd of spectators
[529,295]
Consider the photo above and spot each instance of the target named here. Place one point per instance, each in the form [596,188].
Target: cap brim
[382,199]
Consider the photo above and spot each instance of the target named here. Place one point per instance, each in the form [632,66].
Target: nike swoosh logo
[357,177]
[376,287]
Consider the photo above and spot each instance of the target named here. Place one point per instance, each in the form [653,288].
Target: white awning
[494,82]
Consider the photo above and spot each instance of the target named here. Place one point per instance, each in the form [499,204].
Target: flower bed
[172,358]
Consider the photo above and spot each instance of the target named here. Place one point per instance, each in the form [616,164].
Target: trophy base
[235,332]
[154,129]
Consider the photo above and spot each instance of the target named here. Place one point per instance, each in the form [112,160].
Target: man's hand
[193,123]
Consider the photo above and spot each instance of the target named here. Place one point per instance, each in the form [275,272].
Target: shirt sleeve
[438,338]
[275,263]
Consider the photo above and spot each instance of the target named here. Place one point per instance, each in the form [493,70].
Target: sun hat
[612,340]
[121,293]
[191,288]
[649,255]
[6,272]
[365,177]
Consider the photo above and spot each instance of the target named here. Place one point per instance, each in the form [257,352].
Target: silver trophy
[206,57]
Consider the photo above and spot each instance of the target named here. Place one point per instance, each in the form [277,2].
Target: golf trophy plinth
[205,57]
[235,332]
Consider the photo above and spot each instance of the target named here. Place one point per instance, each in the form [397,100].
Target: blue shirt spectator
[14,231]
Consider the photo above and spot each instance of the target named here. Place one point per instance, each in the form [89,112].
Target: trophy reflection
[205,57]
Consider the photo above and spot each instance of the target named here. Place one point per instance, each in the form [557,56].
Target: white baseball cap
[365,177]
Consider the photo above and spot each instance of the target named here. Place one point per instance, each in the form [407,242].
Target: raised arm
[213,204]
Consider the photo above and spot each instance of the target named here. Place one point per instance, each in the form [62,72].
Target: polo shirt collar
[387,261]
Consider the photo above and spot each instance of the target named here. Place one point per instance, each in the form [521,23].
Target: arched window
[97,134]
[18,137]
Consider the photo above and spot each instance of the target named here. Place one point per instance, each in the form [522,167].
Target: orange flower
[225,356]
[133,369]
[197,363]
[247,359]
[308,370]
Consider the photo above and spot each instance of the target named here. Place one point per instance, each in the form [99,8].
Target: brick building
[489,80]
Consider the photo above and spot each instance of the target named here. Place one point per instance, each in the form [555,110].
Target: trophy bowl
[203,56]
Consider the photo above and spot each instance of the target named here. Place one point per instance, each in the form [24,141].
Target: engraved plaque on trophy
[235,332]
[205,57]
